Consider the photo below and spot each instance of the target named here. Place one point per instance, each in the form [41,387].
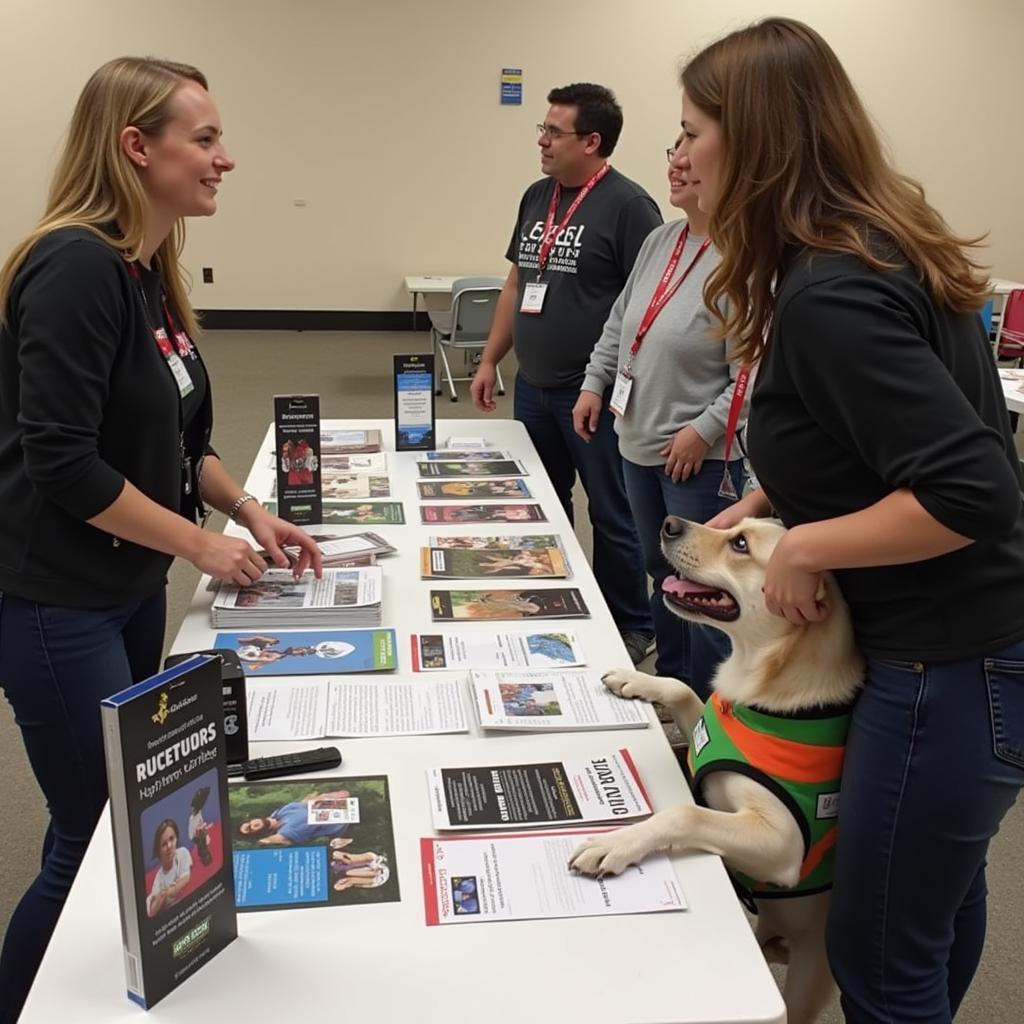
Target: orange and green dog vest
[798,758]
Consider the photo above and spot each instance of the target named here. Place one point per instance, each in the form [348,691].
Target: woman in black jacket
[105,462]
[880,437]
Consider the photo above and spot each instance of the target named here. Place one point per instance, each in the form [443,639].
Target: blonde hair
[95,185]
[802,165]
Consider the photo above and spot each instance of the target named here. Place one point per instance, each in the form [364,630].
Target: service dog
[787,690]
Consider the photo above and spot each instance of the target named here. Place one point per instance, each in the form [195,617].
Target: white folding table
[381,963]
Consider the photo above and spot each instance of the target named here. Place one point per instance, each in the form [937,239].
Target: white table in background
[427,284]
[380,963]
[1013,388]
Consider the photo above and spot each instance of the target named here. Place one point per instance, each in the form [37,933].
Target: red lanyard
[549,235]
[181,340]
[742,379]
[664,291]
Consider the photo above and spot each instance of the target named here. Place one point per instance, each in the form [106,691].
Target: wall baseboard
[310,320]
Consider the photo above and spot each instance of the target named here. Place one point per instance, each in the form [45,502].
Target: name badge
[181,377]
[533,297]
[620,393]
[184,345]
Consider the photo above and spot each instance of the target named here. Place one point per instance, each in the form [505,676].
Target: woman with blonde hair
[879,435]
[105,464]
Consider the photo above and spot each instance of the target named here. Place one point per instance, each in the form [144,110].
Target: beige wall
[385,118]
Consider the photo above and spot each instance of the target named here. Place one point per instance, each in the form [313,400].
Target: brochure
[453,651]
[413,377]
[454,443]
[314,652]
[467,564]
[317,707]
[368,462]
[348,442]
[496,467]
[336,548]
[369,513]
[524,876]
[473,489]
[466,455]
[297,452]
[167,776]
[555,701]
[514,542]
[600,789]
[277,598]
[339,486]
[533,603]
[482,514]
[324,842]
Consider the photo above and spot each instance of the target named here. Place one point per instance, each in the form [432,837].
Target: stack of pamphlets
[280,652]
[551,701]
[343,597]
[339,548]
[454,651]
[453,469]
[481,490]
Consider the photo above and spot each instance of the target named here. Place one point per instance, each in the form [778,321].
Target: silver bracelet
[238,503]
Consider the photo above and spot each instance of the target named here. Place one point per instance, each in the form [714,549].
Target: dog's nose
[673,527]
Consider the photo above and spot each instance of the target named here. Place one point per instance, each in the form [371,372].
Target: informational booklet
[167,777]
[479,489]
[432,652]
[317,707]
[524,876]
[325,842]
[340,547]
[532,603]
[464,514]
[473,564]
[368,513]
[594,790]
[496,467]
[551,701]
[465,455]
[511,541]
[277,598]
[339,486]
[297,454]
[348,442]
[312,652]
[454,443]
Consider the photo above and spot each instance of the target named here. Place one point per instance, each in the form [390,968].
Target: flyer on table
[471,564]
[440,652]
[522,877]
[600,789]
[312,652]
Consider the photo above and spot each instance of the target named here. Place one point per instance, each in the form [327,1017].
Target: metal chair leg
[448,371]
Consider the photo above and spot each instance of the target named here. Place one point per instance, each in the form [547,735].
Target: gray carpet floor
[351,373]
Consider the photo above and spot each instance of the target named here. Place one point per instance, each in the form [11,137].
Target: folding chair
[465,325]
[1009,343]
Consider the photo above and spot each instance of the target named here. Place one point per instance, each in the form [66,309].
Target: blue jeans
[56,665]
[685,650]
[934,759]
[618,561]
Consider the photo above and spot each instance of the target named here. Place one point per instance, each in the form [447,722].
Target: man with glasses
[577,235]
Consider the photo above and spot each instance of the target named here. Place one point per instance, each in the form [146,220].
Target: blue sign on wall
[511,87]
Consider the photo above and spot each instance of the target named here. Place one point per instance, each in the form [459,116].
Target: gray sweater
[681,374]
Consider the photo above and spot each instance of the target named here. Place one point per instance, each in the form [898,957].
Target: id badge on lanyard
[533,297]
[181,375]
[620,393]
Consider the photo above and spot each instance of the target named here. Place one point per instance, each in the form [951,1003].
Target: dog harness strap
[797,759]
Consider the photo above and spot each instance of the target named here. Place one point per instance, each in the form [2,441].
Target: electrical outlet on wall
[207,275]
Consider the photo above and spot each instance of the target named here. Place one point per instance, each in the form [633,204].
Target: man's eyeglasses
[554,133]
[671,151]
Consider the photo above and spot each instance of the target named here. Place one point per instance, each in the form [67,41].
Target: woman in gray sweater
[673,388]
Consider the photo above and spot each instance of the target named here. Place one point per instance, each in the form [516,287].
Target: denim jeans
[686,650]
[934,759]
[618,561]
[56,665]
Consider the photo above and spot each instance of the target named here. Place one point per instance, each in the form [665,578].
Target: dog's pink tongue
[674,585]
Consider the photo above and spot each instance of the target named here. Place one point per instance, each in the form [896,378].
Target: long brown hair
[95,185]
[802,165]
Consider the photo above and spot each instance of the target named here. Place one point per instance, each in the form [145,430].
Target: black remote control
[287,764]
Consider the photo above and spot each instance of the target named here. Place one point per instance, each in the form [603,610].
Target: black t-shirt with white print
[585,271]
